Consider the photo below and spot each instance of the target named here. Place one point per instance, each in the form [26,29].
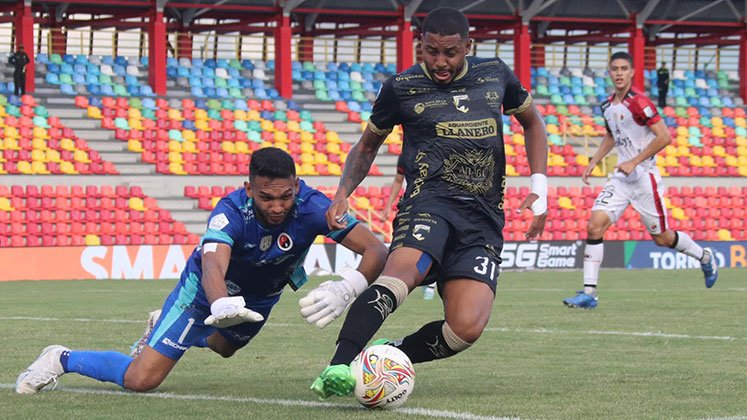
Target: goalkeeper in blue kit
[255,244]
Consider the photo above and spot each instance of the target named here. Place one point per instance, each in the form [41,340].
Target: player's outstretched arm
[330,299]
[536,145]
[225,311]
[356,168]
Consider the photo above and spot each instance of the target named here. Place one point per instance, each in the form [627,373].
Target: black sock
[426,344]
[365,317]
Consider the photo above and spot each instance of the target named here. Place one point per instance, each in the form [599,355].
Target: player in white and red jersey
[636,131]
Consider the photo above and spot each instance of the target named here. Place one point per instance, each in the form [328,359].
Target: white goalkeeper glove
[330,299]
[230,311]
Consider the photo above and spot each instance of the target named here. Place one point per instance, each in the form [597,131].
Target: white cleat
[138,346]
[45,370]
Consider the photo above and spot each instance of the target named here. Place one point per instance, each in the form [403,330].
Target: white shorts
[646,194]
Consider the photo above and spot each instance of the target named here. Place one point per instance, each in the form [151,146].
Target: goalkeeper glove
[330,299]
[230,311]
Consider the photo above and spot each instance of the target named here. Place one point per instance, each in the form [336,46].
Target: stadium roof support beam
[743,65]
[157,48]
[636,48]
[405,39]
[522,53]
[691,14]
[24,30]
[646,12]
[283,75]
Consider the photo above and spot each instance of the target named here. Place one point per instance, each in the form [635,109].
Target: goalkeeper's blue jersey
[263,260]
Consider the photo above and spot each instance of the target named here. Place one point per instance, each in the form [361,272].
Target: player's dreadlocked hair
[272,163]
[446,21]
[622,55]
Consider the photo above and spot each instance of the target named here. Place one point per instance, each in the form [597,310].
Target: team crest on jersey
[218,222]
[285,242]
[492,96]
[265,243]
[458,99]
[419,108]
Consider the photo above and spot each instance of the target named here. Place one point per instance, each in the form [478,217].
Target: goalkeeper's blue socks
[105,366]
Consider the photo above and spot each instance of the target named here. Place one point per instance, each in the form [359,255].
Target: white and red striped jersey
[629,124]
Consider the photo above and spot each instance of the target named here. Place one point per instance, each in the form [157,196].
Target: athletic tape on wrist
[539,187]
[355,279]
[396,286]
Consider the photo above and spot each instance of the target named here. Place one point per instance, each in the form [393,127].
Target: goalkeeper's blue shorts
[182,326]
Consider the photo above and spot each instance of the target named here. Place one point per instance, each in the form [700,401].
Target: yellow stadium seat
[134,113]
[175,114]
[92,240]
[24,167]
[724,235]
[681,141]
[175,157]
[176,168]
[333,148]
[509,150]
[294,127]
[741,150]
[708,161]
[11,133]
[52,155]
[253,115]
[556,160]
[343,157]
[200,114]
[307,157]
[282,146]
[731,161]
[81,156]
[188,135]
[39,168]
[718,132]
[38,155]
[40,133]
[333,137]
[683,151]
[320,158]
[319,239]
[39,144]
[214,201]
[678,214]
[227,146]
[307,148]
[94,112]
[241,147]
[719,151]
[5,204]
[134,145]
[189,147]
[280,136]
[136,203]
[240,115]
[552,129]
[135,124]
[334,169]
[682,131]
[742,170]
[308,169]
[267,125]
[510,170]
[266,144]
[175,146]
[597,171]
[362,203]
[696,161]
[306,137]
[670,150]
[565,203]
[740,122]
[202,125]
[670,161]
[518,138]
[67,168]
[741,141]
[67,144]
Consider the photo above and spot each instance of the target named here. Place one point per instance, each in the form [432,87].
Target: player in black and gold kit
[449,225]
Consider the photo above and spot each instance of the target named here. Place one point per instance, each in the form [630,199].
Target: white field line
[656,334]
[444,414]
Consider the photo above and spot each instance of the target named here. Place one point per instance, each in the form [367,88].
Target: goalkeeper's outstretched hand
[230,311]
[330,299]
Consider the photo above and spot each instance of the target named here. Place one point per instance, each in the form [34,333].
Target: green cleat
[382,341]
[335,380]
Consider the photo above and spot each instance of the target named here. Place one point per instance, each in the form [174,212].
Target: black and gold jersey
[453,134]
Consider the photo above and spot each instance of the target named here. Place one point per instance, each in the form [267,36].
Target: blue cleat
[581,300]
[710,269]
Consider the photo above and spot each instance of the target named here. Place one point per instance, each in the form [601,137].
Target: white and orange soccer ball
[384,377]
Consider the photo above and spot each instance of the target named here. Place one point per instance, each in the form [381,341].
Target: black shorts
[461,239]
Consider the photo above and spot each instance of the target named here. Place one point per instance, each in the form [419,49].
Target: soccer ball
[384,377]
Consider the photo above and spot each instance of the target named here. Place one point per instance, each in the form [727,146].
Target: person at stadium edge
[255,244]
[637,132]
[448,228]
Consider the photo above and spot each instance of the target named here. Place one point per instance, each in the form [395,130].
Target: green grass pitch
[659,346]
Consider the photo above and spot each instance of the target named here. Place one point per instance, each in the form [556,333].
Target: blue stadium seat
[197,92]
[93,89]
[52,79]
